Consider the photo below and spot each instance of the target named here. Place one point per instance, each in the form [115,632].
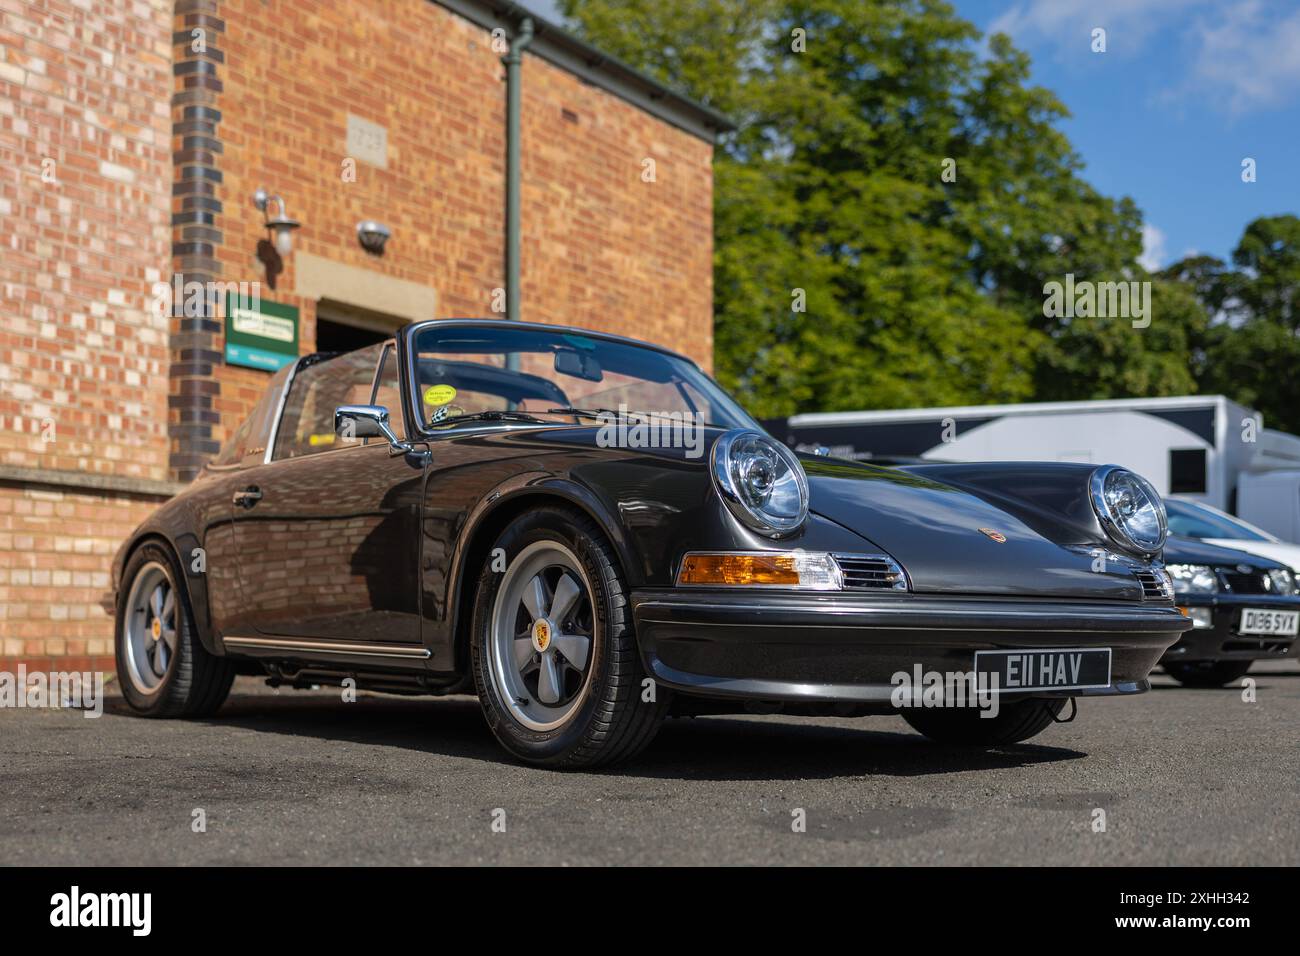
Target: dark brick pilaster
[194,342]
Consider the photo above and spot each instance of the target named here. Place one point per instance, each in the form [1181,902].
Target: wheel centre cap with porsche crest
[542,632]
[155,629]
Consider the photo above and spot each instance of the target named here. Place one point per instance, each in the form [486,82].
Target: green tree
[916,196]
[1251,350]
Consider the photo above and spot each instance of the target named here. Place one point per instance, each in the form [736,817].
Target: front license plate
[1257,620]
[1067,669]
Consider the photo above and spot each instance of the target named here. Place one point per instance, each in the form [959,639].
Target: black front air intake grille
[871,572]
[1153,588]
[1252,583]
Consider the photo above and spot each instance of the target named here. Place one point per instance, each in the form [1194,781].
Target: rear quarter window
[307,425]
[250,438]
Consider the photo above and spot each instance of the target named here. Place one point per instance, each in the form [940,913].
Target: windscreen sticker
[323,438]
[439,394]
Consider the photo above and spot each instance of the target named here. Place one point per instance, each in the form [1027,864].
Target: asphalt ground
[1196,777]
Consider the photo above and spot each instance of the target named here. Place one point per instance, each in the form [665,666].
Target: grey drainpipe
[513,60]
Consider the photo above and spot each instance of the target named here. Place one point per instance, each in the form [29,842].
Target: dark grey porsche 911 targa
[591,535]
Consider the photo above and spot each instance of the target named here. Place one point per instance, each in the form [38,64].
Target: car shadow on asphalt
[1263,681]
[700,748]
[730,748]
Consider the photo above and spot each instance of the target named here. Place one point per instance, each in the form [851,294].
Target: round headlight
[1129,508]
[761,481]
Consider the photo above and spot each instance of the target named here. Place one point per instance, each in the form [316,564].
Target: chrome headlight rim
[1112,524]
[1290,584]
[1185,574]
[720,458]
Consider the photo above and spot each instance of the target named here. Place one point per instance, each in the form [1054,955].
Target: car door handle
[248,497]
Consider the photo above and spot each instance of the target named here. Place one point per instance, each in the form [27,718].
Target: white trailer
[1271,500]
[1200,447]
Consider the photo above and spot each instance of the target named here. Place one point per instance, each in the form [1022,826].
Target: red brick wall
[55,549]
[601,248]
[86,368]
[83,361]
[79,347]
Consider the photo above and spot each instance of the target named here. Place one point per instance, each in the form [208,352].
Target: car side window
[307,425]
[249,440]
[233,451]
[388,390]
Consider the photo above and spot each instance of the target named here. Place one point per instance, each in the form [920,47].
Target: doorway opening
[344,328]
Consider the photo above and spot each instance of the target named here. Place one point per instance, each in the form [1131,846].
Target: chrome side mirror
[366,421]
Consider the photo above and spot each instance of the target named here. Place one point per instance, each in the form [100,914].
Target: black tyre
[163,669]
[554,655]
[1207,673]
[1016,721]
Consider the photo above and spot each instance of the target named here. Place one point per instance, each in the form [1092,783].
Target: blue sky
[1185,91]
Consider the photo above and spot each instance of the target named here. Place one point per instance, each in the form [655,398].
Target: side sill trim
[326,648]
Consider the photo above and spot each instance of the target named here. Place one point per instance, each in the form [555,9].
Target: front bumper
[1221,642]
[789,646]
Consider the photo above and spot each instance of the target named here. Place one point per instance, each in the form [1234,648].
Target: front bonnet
[947,538]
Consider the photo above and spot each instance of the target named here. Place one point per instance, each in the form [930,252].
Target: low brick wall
[56,546]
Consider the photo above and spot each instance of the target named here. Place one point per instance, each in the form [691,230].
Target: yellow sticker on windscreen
[439,394]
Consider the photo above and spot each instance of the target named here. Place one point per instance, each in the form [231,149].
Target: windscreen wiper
[489,416]
[603,413]
[584,412]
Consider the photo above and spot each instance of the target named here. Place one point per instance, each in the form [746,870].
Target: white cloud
[1248,59]
[1068,24]
[1154,254]
[1239,55]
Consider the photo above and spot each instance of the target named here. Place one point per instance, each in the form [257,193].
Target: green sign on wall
[259,333]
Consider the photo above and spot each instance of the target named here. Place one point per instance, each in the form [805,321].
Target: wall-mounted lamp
[281,227]
[373,235]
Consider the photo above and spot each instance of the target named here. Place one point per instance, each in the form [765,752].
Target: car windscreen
[1192,522]
[467,370]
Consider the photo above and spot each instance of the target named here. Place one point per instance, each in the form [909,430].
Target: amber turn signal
[791,569]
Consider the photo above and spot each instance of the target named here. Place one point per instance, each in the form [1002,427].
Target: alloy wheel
[542,636]
[150,627]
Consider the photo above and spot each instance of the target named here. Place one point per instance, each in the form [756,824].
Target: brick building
[133,136]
